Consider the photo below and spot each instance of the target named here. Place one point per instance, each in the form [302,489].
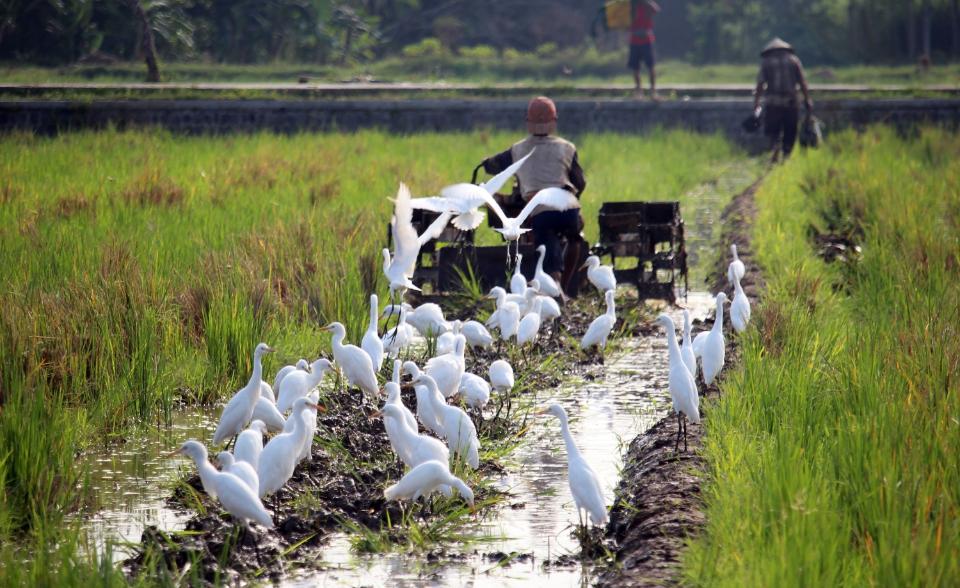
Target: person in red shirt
[641,45]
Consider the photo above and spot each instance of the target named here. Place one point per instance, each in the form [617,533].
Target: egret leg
[676,445]
[684,433]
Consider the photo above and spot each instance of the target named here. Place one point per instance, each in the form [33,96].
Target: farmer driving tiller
[553,164]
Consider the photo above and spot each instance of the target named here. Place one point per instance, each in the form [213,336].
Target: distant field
[569,68]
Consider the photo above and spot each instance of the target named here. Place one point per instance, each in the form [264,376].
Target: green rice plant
[829,448]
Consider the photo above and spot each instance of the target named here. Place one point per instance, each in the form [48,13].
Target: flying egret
[529,326]
[238,412]
[683,387]
[406,243]
[518,282]
[458,429]
[353,361]
[425,479]
[425,411]
[240,469]
[250,443]
[446,370]
[501,376]
[599,330]
[299,383]
[280,456]
[739,308]
[465,200]
[587,495]
[474,390]
[686,349]
[234,495]
[266,412]
[548,285]
[710,345]
[601,276]
[736,269]
[371,342]
[412,447]
[300,365]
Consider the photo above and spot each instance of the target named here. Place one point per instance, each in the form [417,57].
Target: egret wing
[435,203]
[550,198]
[435,228]
[496,182]
[405,236]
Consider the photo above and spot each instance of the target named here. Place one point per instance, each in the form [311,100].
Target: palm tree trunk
[147,45]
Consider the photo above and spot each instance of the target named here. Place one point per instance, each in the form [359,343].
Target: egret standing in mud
[284,371]
[710,346]
[736,270]
[518,282]
[233,493]
[424,480]
[547,284]
[584,485]
[411,447]
[249,443]
[599,330]
[686,348]
[683,388]
[280,456]
[501,376]
[371,342]
[353,361]
[739,309]
[238,412]
[299,383]
[458,429]
[240,469]
[601,276]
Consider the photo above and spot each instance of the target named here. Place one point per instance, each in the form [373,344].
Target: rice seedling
[828,451]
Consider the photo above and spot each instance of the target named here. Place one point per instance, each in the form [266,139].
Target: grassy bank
[142,268]
[833,449]
[569,67]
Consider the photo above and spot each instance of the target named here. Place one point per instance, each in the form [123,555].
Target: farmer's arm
[576,176]
[758,91]
[498,162]
[803,86]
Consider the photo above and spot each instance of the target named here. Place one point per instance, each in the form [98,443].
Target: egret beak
[585,264]
[541,411]
[173,453]
[269,349]
[313,405]
[309,369]
[327,328]
[376,414]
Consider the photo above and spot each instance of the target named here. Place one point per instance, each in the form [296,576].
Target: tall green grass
[833,451]
[141,269]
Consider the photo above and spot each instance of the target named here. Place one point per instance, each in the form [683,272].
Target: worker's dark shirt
[575,181]
[780,76]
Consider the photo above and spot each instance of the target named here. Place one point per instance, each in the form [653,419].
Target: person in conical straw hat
[553,163]
[778,81]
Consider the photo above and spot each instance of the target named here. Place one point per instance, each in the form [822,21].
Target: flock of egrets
[439,430]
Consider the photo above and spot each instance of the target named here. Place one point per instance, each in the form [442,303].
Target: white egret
[412,447]
[406,243]
[266,412]
[266,392]
[424,480]
[250,443]
[476,334]
[234,495]
[300,365]
[683,387]
[529,326]
[736,269]
[427,318]
[425,411]
[446,341]
[501,376]
[739,308]
[371,342]
[240,469]
[686,349]
[299,383]
[548,285]
[518,282]
[404,417]
[238,412]
[549,309]
[474,390]
[465,200]
[547,199]
[601,276]
[446,370]
[710,346]
[280,456]
[399,337]
[353,361]
[599,330]
[584,485]
[458,429]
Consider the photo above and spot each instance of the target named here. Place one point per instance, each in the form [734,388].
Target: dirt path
[658,503]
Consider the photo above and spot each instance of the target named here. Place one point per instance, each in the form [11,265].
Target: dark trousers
[549,228]
[781,121]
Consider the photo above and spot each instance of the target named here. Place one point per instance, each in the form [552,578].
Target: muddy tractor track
[658,501]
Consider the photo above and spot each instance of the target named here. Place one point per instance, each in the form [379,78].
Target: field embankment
[832,452]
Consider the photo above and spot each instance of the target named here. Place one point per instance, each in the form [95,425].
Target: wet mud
[658,501]
[342,485]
